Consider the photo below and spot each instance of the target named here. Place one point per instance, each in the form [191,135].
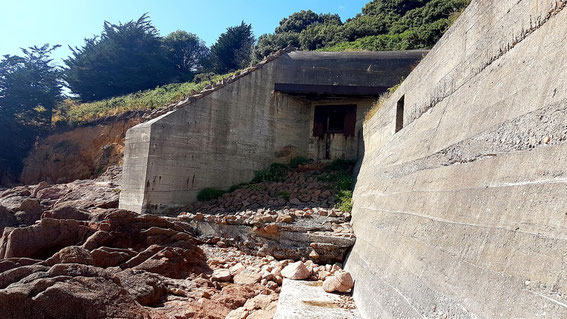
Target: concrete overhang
[317,91]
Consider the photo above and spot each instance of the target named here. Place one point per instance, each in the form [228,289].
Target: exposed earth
[67,251]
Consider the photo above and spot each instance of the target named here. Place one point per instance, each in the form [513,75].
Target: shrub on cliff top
[73,112]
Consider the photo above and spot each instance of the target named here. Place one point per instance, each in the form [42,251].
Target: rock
[11,263]
[313,254]
[261,301]
[323,274]
[69,291]
[71,254]
[41,239]
[35,190]
[31,207]
[67,212]
[50,192]
[236,269]
[222,275]
[268,230]
[285,218]
[247,277]
[173,262]
[97,239]
[297,271]
[14,275]
[141,257]
[110,256]
[342,281]
[295,201]
[26,210]
[238,313]
[325,194]
[7,219]
[148,289]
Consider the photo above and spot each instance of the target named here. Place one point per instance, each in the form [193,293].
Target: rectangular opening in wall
[400,114]
[334,119]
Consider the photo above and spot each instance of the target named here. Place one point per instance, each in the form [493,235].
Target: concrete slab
[307,299]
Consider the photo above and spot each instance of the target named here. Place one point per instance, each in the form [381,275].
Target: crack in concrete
[544,126]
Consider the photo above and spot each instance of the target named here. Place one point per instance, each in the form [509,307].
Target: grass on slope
[73,112]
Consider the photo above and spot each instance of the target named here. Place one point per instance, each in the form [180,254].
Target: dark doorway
[334,119]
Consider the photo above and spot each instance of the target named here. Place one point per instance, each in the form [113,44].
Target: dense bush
[382,25]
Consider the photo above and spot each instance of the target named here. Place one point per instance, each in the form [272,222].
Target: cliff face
[81,153]
[459,207]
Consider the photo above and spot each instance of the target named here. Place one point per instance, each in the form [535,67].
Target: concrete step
[307,300]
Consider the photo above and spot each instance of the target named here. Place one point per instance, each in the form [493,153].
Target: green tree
[299,21]
[233,49]
[30,85]
[186,52]
[125,58]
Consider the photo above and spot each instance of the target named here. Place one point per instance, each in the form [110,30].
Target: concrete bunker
[267,113]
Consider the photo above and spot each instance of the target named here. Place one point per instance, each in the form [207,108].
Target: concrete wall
[222,138]
[461,214]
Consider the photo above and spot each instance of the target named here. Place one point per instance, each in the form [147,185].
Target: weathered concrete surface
[220,139]
[461,214]
[307,300]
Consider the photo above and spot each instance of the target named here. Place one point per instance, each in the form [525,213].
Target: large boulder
[110,257]
[69,291]
[221,275]
[71,254]
[149,289]
[43,239]
[67,212]
[342,281]
[171,262]
[297,271]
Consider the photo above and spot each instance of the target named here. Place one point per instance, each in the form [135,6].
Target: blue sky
[25,23]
